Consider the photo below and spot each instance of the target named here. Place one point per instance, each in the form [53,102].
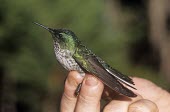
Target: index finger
[69,100]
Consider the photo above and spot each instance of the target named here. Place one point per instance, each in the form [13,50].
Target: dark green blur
[31,79]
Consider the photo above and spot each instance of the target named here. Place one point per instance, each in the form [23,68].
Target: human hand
[151,97]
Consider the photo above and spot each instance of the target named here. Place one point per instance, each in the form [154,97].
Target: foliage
[26,51]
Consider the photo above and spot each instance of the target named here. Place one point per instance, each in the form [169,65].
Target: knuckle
[87,99]
[68,97]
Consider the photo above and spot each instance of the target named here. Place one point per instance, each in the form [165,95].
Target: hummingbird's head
[65,38]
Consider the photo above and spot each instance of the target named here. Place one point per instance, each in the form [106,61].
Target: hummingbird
[73,55]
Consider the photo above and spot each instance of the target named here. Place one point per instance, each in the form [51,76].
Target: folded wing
[110,77]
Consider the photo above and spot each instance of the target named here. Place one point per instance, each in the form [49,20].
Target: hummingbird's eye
[60,35]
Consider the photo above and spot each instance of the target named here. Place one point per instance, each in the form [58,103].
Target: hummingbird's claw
[77,91]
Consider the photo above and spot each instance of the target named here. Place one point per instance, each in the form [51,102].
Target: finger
[120,104]
[145,86]
[90,95]
[68,100]
[143,105]
[159,96]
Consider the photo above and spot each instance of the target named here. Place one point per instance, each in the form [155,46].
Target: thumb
[143,105]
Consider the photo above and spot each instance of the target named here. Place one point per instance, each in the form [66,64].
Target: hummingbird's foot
[77,91]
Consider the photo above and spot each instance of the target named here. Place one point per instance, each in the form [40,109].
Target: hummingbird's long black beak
[49,29]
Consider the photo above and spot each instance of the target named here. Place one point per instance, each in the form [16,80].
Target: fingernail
[91,81]
[74,78]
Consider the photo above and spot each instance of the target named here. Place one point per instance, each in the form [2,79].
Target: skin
[151,98]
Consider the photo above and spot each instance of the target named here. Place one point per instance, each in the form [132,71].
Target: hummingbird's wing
[92,64]
[118,75]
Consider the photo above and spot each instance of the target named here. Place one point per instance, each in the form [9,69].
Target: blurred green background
[132,35]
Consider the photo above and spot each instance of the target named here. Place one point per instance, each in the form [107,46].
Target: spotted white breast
[64,56]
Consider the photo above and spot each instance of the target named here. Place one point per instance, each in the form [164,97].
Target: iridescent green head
[65,38]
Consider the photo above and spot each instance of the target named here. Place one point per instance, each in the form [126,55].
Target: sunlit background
[132,35]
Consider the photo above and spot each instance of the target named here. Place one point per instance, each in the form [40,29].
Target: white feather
[119,78]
